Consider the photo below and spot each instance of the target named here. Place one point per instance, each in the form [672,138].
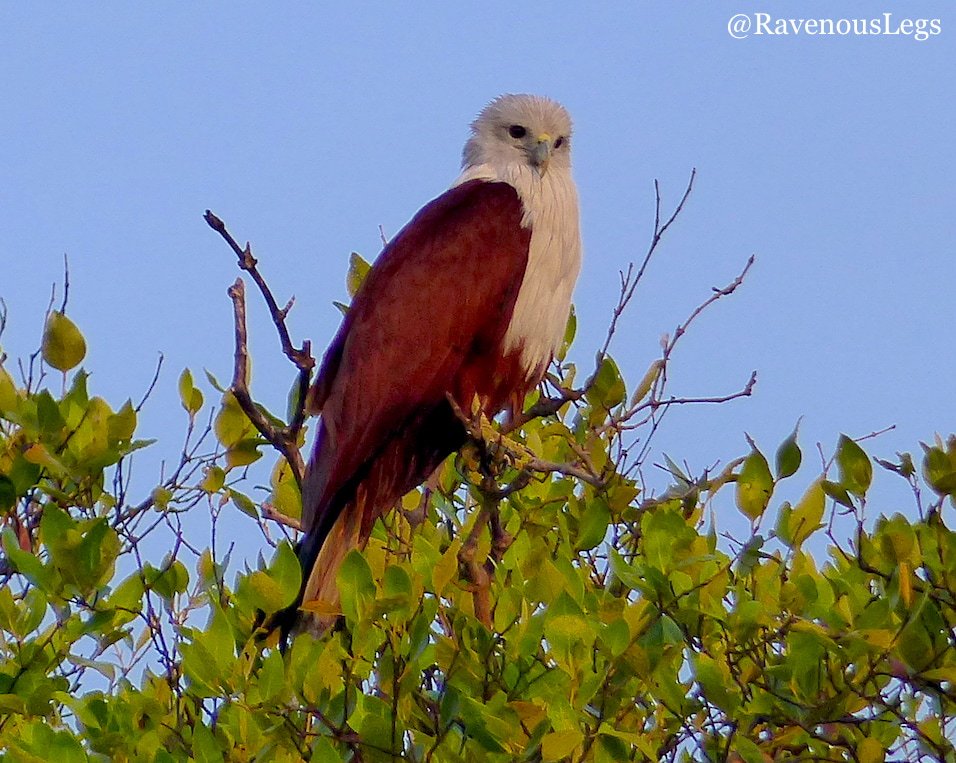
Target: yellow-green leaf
[653,372]
[754,485]
[190,396]
[856,471]
[558,745]
[806,515]
[870,751]
[788,456]
[358,270]
[63,345]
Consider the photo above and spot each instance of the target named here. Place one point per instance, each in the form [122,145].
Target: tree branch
[301,357]
[283,439]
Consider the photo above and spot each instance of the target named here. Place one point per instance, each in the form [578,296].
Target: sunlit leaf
[645,385]
[63,345]
[856,471]
[806,515]
[754,485]
[358,270]
[939,466]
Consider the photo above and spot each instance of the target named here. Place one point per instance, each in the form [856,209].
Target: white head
[525,141]
[520,131]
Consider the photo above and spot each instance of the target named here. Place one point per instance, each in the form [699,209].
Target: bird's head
[517,131]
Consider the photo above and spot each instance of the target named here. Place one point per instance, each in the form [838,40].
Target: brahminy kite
[469,300]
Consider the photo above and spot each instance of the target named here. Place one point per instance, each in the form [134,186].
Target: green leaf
[396,583]
[939,467]
[324,752]
[558,745]
[26,563]
[570,329]
[897,539]
[276,588]
[286,571]
[837,492]
[856,471]
[63,345]
[9,396]
[788,456]
[259,590]
[716,682]
[244,452]
[65,748]
[358,270]
[189,395]
[748,750]
[243,503]
[205,747]
[754,485]
[356,586]
[122,424]
[806,515]
[870,750]
[170,580]
[645,385]
[608,389]
[214,480]
[593,525]
[8,493]
[232,424]
[272,681]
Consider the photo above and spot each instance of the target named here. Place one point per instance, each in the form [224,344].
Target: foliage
[620,624]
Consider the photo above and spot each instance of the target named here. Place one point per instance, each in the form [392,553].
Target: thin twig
[283,439]
[630,280]
[66,283]
[272,513]
[301,357]
[152,384]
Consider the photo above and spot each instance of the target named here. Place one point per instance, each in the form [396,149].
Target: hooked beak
[541,153]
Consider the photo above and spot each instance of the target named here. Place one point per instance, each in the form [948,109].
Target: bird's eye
[559,142]
[517,131]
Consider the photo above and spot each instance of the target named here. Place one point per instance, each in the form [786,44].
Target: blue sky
[308,126]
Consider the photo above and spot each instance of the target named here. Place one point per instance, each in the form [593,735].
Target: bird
[467,303]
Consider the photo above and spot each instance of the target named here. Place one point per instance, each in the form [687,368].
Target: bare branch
[630,280]
[301,357]
[66,283]
[270,512]
[284,439]
[726,291]
[152,384]
[568,470]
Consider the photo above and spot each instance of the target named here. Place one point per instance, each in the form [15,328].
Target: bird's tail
[321,552]
[320,604]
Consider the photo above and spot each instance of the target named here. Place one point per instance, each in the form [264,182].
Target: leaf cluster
[620,626]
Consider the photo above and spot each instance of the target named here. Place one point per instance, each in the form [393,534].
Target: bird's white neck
[554,258]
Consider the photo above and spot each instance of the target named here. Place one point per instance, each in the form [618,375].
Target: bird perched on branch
[468,301]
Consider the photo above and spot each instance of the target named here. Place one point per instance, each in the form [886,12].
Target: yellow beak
[541,153]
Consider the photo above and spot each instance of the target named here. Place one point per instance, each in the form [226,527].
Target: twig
[726,291]
[270,512]
[630,280]
[655,404]
[301,357]
[568,470]
[152,384]
[478,574]
[283,439]
[66,283]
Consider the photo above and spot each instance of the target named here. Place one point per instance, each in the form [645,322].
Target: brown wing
[441,293]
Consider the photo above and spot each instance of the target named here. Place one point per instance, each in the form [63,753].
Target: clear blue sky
[307,126]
